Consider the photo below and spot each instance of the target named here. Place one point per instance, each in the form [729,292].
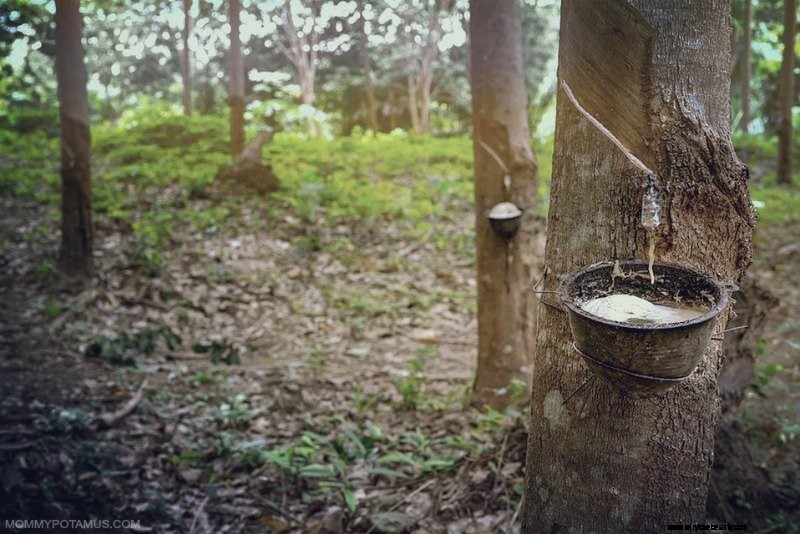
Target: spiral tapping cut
[651,218]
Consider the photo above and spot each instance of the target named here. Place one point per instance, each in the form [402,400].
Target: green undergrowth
[334,455]
[774,203]
[153,173]
[364,178]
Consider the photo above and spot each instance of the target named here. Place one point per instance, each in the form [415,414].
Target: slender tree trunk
[597,461]
[746,64]
[787,93]
[186,60]
[413,107]
[506,321]
[302,52]
[236,82]
[393,107]
[75,256]
[308,98]
[425,97]
[372,105]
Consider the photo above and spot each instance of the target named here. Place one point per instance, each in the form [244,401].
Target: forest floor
[294,379]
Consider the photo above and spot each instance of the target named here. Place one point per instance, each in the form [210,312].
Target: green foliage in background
[774,204]
[153,173]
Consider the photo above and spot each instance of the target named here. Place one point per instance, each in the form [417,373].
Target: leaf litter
[252,384]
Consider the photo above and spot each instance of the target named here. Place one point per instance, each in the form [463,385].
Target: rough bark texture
[506,320]
[236,67]
[747,39]
[751,305]
[787,93]
[186,61]
[75,257]
[739,487]
[598,462]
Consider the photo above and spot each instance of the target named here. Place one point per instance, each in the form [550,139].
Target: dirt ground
[370,336]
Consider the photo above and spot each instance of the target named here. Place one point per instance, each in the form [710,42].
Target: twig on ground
[197,515]
[14,447]
[110,419]
[407,497]
[515,516]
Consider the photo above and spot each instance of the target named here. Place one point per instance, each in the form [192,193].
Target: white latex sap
[631,309]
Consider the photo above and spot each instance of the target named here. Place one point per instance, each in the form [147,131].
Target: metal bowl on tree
[642,357]
[505,218]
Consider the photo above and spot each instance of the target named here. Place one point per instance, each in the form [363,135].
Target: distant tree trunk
[236,82]
[413,107]
[249,173]
[392,107]
[302,52]
[506,320]
[746,64]
[420,77]
[75,256]
[372,105]
[787,93]
[186,60]
[598,461]
[426,81]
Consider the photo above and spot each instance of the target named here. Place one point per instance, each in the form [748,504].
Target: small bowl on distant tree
[504,219]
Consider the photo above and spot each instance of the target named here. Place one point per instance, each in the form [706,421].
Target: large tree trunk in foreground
[787,93]
[236,67]
[75,257]
[506,321]
[747,24]
[186,61]
[597,461]
[740,491]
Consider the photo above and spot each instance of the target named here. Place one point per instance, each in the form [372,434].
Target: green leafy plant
[235,412]
[222,351]
[122,349]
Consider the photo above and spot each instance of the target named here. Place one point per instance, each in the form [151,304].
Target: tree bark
[426,81]
[787,93]
[420,70]
[413,107]
[302,52]
[369,88]
[506,320]
[249,173]
[186,60]
[746,64]
[75,255]
[597,461]
[236,82]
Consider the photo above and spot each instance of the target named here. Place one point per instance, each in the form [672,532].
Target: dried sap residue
[635,310]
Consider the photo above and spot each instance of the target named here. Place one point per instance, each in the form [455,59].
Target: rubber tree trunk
[596,461]
[236,89]
[75,255]
[413,107]
[506,320]
[186,61]
[369,87]
[787,93]
[747,39]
